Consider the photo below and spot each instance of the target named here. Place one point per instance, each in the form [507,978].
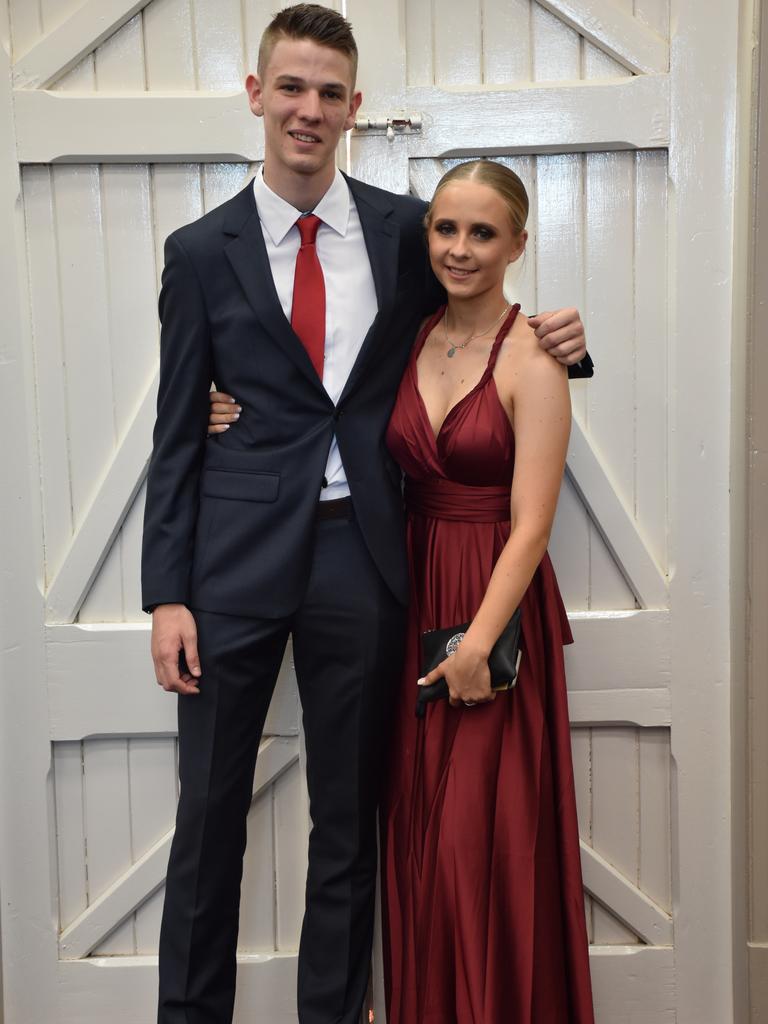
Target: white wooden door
[123,98]
[600,111]
[128,120]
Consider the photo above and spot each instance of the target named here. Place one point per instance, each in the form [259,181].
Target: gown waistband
[446,499]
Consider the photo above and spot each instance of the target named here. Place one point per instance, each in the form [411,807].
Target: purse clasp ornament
[453,644]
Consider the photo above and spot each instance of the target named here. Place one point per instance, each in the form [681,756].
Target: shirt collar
[278,216]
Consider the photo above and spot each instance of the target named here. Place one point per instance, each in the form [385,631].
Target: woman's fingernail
[225,426]
[236,416]
[421,682]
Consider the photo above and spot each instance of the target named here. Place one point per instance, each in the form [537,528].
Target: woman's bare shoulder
[522,356]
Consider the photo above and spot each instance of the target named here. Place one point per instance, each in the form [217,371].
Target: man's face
[306,98]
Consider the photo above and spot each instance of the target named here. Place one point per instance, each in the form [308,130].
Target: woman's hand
[224,410]
[468,677]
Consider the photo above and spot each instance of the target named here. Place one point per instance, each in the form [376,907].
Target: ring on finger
[469,703]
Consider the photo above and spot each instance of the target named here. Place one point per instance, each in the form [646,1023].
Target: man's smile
[302,136]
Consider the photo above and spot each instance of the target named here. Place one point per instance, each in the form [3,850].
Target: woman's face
[471,239]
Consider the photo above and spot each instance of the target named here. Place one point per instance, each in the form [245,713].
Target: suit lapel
[247,254]
[382,240]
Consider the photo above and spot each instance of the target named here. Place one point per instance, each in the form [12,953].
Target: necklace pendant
[451,352]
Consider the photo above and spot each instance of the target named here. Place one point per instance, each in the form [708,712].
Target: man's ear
[253,86]
[354,106]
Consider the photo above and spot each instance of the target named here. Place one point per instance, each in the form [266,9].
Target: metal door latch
[397,124]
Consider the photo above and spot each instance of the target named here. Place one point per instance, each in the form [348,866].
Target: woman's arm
[535,387]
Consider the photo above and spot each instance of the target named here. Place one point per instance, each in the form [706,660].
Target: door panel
[575,96]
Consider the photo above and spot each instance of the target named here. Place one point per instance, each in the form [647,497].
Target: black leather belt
[338,508]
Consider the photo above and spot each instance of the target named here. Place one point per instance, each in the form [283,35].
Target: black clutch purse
[439,644]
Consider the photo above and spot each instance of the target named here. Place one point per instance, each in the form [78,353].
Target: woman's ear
[519,247]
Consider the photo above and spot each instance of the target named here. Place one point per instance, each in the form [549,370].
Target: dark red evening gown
[482,893]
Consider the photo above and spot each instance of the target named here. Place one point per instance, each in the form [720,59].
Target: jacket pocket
[240,486]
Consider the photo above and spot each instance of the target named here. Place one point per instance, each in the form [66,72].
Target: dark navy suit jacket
[229,520]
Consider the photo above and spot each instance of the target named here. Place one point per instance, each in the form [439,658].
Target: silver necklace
[452,346]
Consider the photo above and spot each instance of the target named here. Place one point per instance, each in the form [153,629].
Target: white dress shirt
[350,296]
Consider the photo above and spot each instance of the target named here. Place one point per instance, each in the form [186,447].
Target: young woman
[482,894]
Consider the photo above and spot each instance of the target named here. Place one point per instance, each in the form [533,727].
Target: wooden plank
[569,548]
[641,915]
[256,16]
[70,831]
[420,53]
[615,523]
[291,834]
[506,41]
[615,821]
[629,114]
[382,79]
[27,851]
[109,667]
[520,277]
[67,44]
[655,867]
[130,272]
[609,311]
[26,25]
[558,258]
[222,181]
[218,45]
[107,835]
[46,325]
[124,990]
[176,200]
[89,376]
[259,896]
[707,513]
[145,876]
[655,14]
[457,42]
[102,521]
[608,589]
[758,980]
[556,55]
[633,984]
[616,31]
[651,350]
[596,63]
[119,61]
[619,650]
[54,127]
[169,46]
[152,773]
[620,707]
[581,749]
[125,128]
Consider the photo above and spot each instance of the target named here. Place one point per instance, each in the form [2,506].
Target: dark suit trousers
[347,638]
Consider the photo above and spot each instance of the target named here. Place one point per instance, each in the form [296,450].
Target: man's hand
[561,334]
[174,631]
[223,411]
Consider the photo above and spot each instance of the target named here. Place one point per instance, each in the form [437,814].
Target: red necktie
[308,310]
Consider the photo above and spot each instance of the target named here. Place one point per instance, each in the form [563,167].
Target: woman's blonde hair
[504,182]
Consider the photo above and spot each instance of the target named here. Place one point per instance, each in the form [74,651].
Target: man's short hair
[309,21]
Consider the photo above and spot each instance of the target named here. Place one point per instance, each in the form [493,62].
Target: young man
[291,524]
